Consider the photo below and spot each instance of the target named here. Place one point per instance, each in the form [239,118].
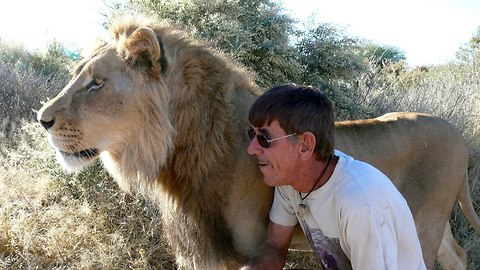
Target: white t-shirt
[357,216]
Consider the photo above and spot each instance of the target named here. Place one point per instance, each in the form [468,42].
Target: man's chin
[268,179]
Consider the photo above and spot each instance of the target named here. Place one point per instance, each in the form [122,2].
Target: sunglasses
[263,139]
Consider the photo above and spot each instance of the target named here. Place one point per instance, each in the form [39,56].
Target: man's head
[298,109]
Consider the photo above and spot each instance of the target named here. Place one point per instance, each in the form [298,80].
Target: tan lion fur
[170,121]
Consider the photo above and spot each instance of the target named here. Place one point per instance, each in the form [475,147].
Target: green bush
[263,38]
[55,60]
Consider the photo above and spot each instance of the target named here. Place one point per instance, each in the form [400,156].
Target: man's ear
[308,142]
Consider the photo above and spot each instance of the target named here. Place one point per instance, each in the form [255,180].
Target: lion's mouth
[84,154]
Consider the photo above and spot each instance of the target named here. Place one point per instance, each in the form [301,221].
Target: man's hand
[273,253]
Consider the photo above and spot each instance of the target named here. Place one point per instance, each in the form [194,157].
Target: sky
[35,23]
[428,31]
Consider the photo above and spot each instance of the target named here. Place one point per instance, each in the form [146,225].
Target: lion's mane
[187,149]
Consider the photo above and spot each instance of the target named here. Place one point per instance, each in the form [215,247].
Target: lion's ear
[144,49]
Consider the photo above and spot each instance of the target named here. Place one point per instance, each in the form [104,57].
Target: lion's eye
[95,84]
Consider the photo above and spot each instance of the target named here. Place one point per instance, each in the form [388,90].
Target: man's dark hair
[298,109]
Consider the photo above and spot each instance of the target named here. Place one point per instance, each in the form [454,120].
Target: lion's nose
[46,124]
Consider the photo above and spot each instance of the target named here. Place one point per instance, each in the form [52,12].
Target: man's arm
[273,252]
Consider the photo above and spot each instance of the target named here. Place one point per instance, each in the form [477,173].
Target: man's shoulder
[358,168]
[360,184]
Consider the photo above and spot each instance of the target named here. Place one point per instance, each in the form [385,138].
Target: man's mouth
[263,163]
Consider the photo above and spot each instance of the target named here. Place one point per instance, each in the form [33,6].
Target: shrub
[27,79]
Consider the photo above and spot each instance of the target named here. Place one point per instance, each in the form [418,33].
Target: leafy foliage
[328,54]
[55,60]
[258,34]
[254,32]
[382,56]
[329,61]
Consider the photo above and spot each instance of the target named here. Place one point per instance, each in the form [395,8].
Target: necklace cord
[318,180]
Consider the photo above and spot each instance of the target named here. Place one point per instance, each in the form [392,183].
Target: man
[352,214]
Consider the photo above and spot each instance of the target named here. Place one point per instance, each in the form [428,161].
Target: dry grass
[49,220]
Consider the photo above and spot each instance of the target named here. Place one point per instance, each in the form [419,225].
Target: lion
[167,116]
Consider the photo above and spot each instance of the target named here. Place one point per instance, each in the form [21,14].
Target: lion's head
[139,97]
[103,112]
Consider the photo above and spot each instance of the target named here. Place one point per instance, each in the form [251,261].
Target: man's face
[278,162]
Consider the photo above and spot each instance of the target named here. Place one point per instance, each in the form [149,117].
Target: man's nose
[253,147]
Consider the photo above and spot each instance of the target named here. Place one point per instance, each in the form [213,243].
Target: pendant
[301,210]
